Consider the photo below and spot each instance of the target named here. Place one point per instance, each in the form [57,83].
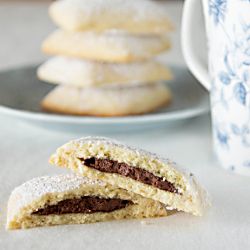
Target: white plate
[21,93]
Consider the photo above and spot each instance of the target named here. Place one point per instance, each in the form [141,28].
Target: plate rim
[150,118]
[203,108]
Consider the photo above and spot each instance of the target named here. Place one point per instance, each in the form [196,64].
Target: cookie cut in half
[107,101]
[71,199]
[138,16]
[111,46]
[135,170]
[83,73]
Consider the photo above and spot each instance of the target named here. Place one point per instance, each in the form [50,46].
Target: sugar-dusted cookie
[135,170]
[70,199]
[107,101]
[138,16]
[82,73]
[109,46]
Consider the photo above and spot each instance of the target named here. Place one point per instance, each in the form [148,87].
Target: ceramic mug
[226,74]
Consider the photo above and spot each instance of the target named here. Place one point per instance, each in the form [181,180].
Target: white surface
[24,152]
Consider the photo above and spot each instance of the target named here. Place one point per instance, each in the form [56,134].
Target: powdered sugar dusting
[114,47]
[36,188]
[139,152]
[140,9]
[199,194]
[192,192]
[67,70]
[122,42]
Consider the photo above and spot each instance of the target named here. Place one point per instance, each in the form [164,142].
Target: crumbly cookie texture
[107,101]
[138,16]
[83,73]
[191,197]
[49,190]
[112,46]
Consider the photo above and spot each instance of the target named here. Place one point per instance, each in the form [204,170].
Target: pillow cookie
[71,199]
[136,16]
[107,101]
[83,73]
[107,46]
[135,170]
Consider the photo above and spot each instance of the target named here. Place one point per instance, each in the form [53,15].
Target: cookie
[82,73]
[137,16]
[70,199]
[107,101]
[108,46]
[135,170]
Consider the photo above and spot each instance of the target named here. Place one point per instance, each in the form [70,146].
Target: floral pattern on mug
[229,63]
[217,9]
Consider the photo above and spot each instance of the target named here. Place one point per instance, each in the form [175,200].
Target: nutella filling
[138,174]
[86,204]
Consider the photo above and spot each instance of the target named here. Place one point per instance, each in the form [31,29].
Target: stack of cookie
[103,57]
[113,182]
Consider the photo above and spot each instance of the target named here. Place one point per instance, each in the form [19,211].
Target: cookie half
[83,73]
[135,170]
[137,16]
[70,199]
[108,47]
[107,101]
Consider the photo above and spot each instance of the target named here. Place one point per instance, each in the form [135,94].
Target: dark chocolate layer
[138,174]
[86,204]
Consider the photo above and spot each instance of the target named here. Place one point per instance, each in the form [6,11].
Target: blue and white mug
[226,73]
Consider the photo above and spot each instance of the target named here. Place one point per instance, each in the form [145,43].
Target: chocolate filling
[138,174]
[86,204]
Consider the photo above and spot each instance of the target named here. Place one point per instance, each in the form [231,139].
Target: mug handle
[190,25]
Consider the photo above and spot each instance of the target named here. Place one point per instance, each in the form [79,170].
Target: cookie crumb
[143,222]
